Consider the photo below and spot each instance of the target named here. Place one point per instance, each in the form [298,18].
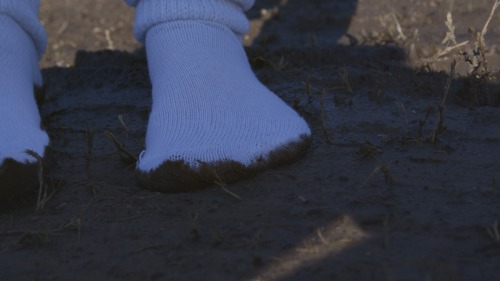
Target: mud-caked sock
[211,119]
[210,114]
[19,117]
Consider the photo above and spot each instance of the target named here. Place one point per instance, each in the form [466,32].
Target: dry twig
[42,192]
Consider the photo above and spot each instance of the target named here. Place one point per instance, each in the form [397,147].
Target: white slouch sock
[208,106]
[22,43]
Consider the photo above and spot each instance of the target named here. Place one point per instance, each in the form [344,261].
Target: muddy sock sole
[178,176]
[16,180]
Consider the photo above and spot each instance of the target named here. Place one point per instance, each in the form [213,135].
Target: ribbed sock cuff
[226,12]
[25,13]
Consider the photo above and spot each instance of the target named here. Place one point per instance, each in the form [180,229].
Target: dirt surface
[384,193]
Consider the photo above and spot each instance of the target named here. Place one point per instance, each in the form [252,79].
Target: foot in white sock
[19,117]
[211,119]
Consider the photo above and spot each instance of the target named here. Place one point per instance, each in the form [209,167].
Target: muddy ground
[383,194]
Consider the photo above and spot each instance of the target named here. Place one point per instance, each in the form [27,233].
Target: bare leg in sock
[211,119]
[20,129]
